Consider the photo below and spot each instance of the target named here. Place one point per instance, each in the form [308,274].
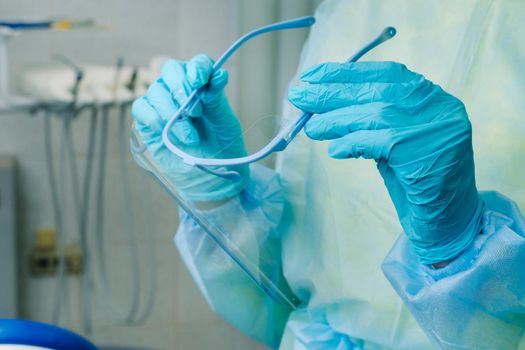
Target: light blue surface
[219,125]
[420,137]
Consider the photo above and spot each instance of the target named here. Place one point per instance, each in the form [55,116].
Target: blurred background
[123,284]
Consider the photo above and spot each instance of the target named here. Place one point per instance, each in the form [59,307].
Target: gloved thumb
[198,71]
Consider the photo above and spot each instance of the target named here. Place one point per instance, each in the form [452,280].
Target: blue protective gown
[326,225]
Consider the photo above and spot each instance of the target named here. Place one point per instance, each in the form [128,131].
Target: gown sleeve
[249,221]
[478,300]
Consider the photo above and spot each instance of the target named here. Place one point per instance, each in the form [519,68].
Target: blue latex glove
[213,130]
[418,134]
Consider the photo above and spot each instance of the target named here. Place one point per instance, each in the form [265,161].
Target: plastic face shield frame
[285,135]
[279,143]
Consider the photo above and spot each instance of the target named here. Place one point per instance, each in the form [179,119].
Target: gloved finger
[368,144]
[216,86]
[146,118]
[150,125]
[174,76]
[359,72]
[185,132]
[342,121]
[199,70]
[160,99]
[321,98]
[219,80]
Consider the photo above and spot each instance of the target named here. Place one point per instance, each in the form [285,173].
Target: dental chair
[31,335]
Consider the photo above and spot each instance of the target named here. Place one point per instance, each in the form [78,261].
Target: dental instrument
[81,94]
[135,313]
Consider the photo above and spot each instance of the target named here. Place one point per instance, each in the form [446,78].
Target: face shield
[263,270]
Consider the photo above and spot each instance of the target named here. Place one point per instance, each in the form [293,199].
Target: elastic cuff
[223,192]
[262,192]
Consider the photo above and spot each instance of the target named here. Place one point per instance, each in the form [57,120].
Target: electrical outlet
[73,259]
[44,257]
[43,263]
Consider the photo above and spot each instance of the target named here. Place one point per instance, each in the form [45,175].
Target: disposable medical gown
[328,224]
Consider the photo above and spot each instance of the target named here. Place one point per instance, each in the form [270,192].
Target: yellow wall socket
[44,259]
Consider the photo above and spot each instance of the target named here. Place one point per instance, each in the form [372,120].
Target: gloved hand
[212,130]
[418,134]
